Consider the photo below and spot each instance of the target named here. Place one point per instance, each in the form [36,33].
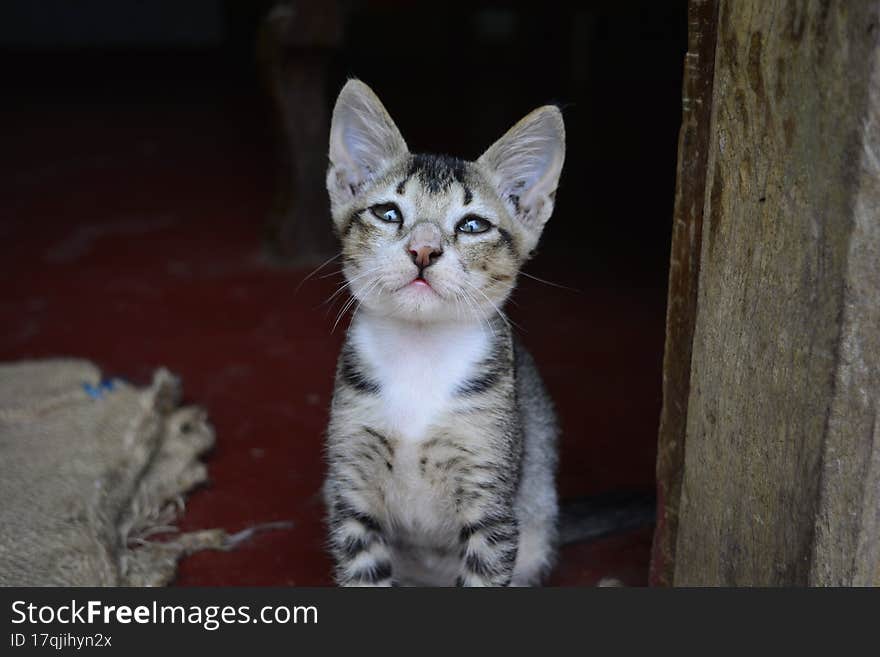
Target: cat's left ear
[525,165]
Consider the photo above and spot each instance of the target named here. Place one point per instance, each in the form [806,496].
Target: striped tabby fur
[441,446]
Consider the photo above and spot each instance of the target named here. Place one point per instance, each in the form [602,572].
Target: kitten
[441,446]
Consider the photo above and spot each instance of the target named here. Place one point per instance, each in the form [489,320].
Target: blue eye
[473,224]
[387,212]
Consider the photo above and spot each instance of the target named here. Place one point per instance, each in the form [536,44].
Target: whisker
[359,303]
[348,304]
[353,300]
[316,270]
[551,283]
[472,303]
[351,280]
[498,310]
[332,273]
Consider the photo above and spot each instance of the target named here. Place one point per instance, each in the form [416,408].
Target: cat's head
[431,237]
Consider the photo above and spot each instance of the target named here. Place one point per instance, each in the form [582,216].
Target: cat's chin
[419,306]
[422,306]
[425,302]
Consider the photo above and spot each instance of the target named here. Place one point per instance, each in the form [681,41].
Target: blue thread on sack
[104,386]
[92,391]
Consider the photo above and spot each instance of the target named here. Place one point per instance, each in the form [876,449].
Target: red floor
[130,235]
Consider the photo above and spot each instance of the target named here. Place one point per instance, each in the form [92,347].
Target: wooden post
[296,44]
[684,269]
[781,480]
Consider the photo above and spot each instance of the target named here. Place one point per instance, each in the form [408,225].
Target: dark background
[138,166]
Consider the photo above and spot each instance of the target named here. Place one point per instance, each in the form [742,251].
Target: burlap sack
[89,471]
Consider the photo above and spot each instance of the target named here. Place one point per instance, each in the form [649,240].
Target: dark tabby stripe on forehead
[437,172]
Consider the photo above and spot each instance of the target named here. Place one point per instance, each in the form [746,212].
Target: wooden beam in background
[684,268]
[296,44]
[782,454]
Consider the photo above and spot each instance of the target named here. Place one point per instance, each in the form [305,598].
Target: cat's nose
[425,244]
[425,256]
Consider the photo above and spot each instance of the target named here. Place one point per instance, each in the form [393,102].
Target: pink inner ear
[363,138]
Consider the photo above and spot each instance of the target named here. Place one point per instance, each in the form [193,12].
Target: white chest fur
[418,368]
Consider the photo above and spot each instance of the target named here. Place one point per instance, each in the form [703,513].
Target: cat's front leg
[488,550]
[358,546]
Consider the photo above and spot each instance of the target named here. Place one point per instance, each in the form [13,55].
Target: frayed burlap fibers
[89,471]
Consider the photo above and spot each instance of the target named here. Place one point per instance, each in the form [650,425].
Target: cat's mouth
[420,284]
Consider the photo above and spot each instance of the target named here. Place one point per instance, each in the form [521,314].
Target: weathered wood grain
[782,458]
[684,267]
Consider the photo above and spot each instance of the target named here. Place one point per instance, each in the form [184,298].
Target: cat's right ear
[363,141]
